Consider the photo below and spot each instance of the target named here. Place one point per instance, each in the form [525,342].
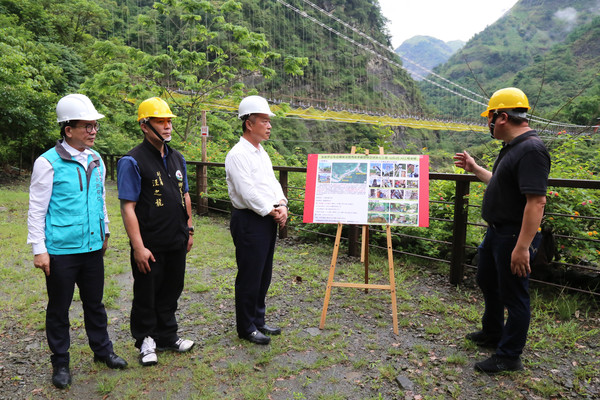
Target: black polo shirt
[522,168]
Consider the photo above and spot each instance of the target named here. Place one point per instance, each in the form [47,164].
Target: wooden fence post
[200,169]
[353,244]
[203,201]
[283,180]
[112,167]
[461,214]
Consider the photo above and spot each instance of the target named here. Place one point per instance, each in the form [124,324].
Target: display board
[367,189]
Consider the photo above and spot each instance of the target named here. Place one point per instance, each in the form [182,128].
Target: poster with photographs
[367,189]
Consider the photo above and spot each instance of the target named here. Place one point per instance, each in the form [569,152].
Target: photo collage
[393,193]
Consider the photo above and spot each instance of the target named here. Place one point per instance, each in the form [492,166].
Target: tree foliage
[194,53]
[201,54]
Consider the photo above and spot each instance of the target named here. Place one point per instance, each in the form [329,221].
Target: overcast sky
[442,19]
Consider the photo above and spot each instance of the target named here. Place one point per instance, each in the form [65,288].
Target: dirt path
[356,356]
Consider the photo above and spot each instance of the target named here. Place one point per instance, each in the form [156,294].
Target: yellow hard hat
[507,98]
[154,107]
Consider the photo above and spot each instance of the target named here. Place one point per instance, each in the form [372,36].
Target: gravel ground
[356,356]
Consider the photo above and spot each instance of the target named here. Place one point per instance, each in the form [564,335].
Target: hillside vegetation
[193,53]
[199,53]
[548,48]
[428,52]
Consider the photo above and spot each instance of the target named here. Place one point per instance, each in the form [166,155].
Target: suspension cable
[388,49]
[354,42]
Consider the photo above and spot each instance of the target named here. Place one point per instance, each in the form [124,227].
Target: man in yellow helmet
[513,206]
[157,213]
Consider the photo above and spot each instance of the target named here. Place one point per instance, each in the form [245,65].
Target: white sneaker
[148,352]
[181,346]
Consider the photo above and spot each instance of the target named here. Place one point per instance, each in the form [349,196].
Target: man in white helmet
[68,230]
[259,206]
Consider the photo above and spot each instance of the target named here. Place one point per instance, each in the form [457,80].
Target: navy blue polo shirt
[522,168]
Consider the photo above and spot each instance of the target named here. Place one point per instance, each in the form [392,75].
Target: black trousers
[155,297]
[87,271]
[504,290]
[254,239]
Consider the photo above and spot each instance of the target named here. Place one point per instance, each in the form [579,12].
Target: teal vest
[75,217]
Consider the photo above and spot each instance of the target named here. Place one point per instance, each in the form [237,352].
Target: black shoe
[61,376]
[112,361]
[496,364]
[269,330]
[482,339]
[256,337]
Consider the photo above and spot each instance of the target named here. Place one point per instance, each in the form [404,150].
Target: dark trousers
[87,271]
[155,297]
[502,289]
[254,239]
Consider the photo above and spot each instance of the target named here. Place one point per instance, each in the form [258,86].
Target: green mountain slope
[547,47]
[194,52]
[338,70]
[426,51]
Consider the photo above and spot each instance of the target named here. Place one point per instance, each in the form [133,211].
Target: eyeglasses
[89,128]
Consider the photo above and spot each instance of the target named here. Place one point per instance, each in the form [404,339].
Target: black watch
[191,230]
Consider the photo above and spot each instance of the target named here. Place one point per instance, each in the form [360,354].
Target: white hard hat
[74,107]
[254,105]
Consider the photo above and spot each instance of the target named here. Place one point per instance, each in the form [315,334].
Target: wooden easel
[364,257]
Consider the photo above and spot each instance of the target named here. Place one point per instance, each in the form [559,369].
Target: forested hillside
[205,54]
[337,71]
[548,48]
[195,54]
[428,52]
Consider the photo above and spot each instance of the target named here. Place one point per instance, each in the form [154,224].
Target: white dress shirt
[251,181]
[40,191]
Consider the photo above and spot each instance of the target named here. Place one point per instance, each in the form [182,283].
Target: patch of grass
[235,369]
[420,349]
[433,329]
[388,372]
[432,303]
[331,396]
[359,363]
[471,312]
[544,387]
[112,293]
[403,322]
[457,359]
[585,372]
[568,333]
[356,339]
[199,287]
[373,346]
[307,381]
[106,384]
